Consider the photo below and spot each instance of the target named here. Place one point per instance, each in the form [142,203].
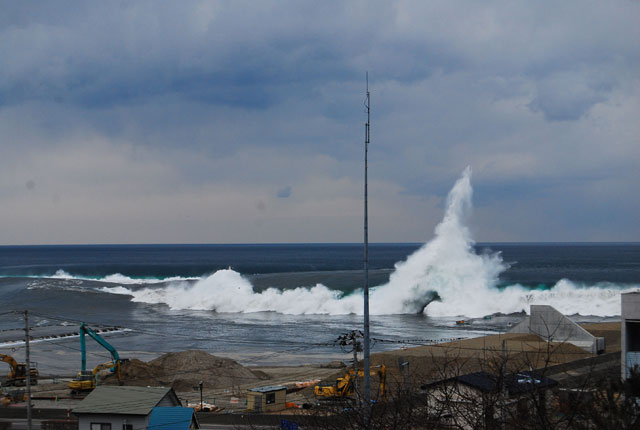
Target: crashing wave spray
[447,265]
[467,283]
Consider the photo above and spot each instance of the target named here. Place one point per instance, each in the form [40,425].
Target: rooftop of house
[127,400]
[516,383]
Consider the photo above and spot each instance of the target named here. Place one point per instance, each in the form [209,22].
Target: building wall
[169,401]
[252,400]
[279,404]
[550,324]
[466,407]
[116,421]
[258,401]
[630,332]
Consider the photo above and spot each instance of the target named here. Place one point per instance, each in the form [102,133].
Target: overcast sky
[243,122]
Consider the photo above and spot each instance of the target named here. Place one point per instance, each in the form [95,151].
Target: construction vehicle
[9,397]
[86,380]
[18,373]
[345,386]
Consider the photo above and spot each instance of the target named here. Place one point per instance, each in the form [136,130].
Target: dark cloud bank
[171,121]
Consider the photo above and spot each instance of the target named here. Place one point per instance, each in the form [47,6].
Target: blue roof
[171,418]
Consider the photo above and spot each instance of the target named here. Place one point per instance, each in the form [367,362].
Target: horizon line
[319,243]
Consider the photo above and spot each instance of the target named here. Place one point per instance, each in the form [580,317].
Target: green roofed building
[127,408]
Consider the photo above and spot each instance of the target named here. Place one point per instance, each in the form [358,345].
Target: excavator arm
[84,329]
[103,366]
[11,361]
[113,366]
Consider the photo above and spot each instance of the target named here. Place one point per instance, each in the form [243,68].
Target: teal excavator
[86,379]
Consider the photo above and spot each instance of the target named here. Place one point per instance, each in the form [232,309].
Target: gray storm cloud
[167,122]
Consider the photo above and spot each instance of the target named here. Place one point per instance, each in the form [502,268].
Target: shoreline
[425,363]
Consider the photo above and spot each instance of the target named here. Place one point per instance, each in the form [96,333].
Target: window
[100,426]
[633,335]
[271,398]
[127,426]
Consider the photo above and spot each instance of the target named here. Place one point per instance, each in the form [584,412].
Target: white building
[630,332]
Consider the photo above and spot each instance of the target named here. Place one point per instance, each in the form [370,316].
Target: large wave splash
[465,283]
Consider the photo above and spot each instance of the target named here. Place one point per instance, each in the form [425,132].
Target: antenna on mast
[366,352]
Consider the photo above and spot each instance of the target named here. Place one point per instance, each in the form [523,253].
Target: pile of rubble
[185,370]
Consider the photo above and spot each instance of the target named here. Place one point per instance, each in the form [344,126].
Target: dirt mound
[138,370]
[184,370]
[334,365]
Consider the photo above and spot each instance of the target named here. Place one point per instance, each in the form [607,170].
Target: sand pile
[184,370]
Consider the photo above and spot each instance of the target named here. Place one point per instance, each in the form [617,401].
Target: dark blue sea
[532,264]
[263,304]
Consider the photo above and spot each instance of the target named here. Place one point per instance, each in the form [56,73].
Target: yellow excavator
[18,373]
[344,386]
[86,380]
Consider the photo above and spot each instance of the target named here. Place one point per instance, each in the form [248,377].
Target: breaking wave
[447,268]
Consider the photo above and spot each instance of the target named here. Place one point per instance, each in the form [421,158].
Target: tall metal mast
[28,367]
[367,364]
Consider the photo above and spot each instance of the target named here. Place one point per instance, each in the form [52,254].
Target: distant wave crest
[118,278]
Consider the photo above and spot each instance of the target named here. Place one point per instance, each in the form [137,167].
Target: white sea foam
[228,291]
[61,274]
[118,278]
[465,281]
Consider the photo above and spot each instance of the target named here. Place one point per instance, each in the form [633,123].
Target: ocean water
[287,303]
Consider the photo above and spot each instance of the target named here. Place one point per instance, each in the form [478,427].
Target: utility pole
[356,379]
[504,392]
[349,343]
[28,365]
[403,366]
[366,352]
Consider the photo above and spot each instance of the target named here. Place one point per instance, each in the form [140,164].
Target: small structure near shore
[551,325]
[630,332]
[271,398]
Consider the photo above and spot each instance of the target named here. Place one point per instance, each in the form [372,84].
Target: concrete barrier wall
[551,325]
